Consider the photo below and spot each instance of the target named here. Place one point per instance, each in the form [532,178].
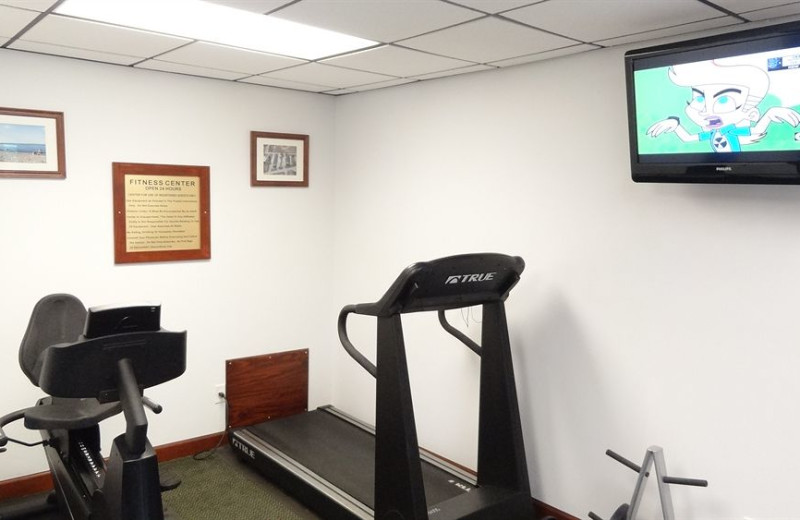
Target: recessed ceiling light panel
[215,23]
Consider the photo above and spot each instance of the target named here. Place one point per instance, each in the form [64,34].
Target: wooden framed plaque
[161,213]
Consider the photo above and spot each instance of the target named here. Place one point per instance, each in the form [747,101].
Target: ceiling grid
[397,41]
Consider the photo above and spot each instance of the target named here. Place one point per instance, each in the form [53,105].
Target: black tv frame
[780,167]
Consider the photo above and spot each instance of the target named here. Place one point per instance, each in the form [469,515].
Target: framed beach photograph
[32,144]
[278,159]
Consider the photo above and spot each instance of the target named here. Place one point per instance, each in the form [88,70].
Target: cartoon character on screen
[724,104]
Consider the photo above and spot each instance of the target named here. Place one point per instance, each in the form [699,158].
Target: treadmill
[345,469]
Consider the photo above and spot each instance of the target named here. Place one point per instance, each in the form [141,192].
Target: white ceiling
[419,39]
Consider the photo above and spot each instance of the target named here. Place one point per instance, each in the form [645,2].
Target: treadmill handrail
[360,358]
[446,283]
[370,367]
[460,336]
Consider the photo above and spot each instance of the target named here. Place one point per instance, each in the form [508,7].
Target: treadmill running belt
[344,454]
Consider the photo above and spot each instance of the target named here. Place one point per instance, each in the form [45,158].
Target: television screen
[723,109]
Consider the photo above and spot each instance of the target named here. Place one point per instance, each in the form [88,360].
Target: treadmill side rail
[307,486]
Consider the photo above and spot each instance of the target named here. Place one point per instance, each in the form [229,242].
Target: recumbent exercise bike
[93,365]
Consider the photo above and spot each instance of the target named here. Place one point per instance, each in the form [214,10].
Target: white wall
[647,315]
[270,246]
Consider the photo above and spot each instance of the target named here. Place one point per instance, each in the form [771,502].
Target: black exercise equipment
[345,469]
[94,365]
[653,457]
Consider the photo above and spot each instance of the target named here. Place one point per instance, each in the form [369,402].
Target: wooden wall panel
[265,387]
[544,511]
[27,485]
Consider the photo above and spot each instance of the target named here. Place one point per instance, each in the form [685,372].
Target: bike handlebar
[6,419]
[157,408]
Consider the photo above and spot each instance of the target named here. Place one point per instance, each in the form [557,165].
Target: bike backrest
[56,318]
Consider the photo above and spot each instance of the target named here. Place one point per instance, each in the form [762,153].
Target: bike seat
[67,414]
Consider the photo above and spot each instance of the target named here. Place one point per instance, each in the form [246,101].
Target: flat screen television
[722,109]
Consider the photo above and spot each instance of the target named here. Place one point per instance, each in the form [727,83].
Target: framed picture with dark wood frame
[161,212]
[278,159]
[32,144]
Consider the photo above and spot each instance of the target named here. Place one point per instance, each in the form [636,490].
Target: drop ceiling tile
[254,6]
[378,20]
[743,6]
[280,83]
[396,61]
[430,38]
[495,6]
[546,55]
[792,9]
[487,40]
[333,77]
[682,30]
[581,19]
[220,57]
[34,5]
[92,36]
[13,21]
[455,72]
[72,52]
[371,86]
[191,70]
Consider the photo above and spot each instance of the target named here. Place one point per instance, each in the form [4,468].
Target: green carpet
[222,488]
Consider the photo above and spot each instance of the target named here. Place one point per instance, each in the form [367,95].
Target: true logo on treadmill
[244,449]
[470,278]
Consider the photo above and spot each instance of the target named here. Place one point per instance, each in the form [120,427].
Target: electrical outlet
[219,389]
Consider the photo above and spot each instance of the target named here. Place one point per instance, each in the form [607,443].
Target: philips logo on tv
[724,169]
